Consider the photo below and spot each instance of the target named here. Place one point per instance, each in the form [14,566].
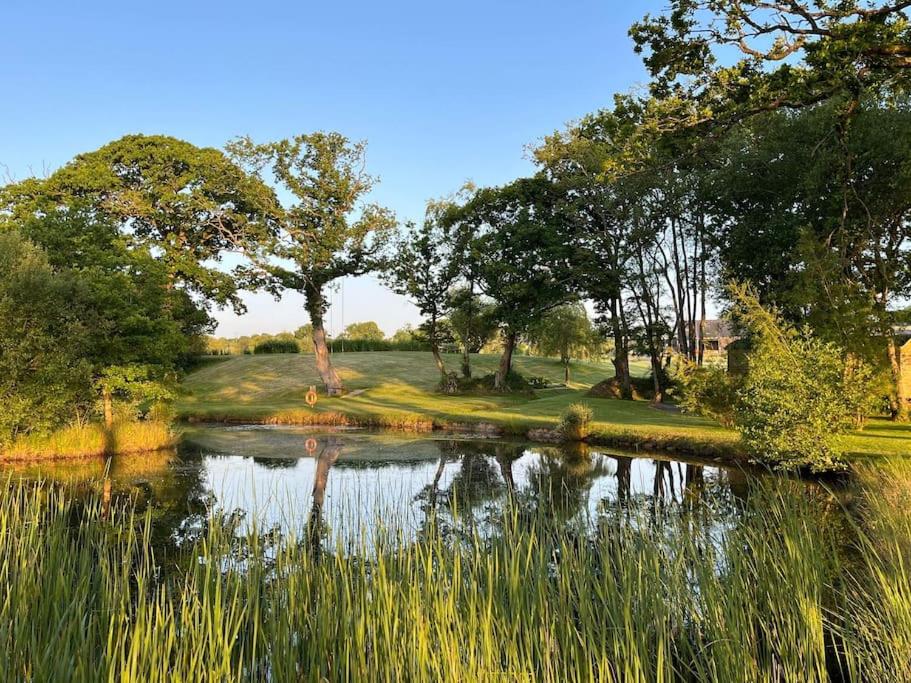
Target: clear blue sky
[442,91]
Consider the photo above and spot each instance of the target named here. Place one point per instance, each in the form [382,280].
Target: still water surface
[279,477]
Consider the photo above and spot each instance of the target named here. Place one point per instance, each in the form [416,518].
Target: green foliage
[45,375]
[484,385]
[565,332]
[406,335]
[114,322]
[472,318]
[328,232]
[709,391]
[276,346]
[139,386]
[791,54]
[575,422]
[519,251]
[357,345]
[302,340]
[800,393]
[363,331]
[219,346]
[188,204]
[424,266]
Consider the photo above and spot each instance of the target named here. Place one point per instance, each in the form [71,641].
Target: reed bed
[398,421]
[773,592]
[90,440]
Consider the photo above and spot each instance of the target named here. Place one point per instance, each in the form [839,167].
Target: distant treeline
[362,336]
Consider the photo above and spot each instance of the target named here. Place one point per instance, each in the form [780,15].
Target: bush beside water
[575,423]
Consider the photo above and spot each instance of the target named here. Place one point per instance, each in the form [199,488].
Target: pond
[282,477]
[305,554]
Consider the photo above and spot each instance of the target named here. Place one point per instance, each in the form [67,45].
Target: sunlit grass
[93,440]
[640,596]
[397,390]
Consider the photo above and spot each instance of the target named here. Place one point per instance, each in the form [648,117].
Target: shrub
[576,421]
[277,346]
[710,392]
[643,389]
[515,384]
[45,376]
[800,393]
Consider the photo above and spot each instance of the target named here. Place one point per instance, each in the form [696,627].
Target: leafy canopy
[187,205]
[327,231]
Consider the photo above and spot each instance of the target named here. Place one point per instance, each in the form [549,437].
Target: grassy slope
[272,387]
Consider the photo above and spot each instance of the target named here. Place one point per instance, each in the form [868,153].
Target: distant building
[718,335]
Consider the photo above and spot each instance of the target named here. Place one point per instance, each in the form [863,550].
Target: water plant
[575,423]
[635,595]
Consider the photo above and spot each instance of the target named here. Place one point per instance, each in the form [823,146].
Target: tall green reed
[641,595]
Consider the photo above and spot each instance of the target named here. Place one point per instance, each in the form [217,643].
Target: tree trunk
[624,478]
[107,401]
[898,403]
[505,362]
[566,371]
[435,350]
[694,483]
[438,359]
[435,485]
[656,375]
[621,351]
[316,306]
[700,358]
[106,498]
[504,460]
[466,351]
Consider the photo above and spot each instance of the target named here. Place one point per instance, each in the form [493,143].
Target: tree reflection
[624,479]
[694,484]
[326,457]
[277,463]
[661,493]
[560,481]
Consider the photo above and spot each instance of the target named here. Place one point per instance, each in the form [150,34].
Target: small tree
[565,332]
[424,269]
[44,375]
[116,294]
[473,322]
[800,393]
[520,255]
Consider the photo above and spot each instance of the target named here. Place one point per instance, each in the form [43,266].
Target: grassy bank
[92,440]
[635,597]
[397,389]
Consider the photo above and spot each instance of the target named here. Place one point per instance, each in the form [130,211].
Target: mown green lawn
[260,388]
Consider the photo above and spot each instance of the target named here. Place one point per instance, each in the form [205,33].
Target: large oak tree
[327,231]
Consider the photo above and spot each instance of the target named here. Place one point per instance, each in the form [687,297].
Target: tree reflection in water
[326,456]
[457,486]
[560,481]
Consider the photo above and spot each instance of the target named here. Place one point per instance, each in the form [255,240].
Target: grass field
[397,389]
